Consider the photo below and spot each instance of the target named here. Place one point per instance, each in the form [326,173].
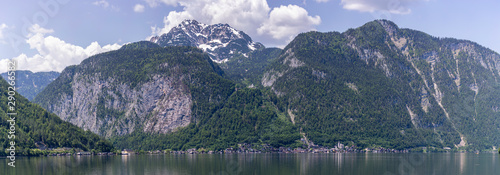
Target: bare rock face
[171,110]
[160,105]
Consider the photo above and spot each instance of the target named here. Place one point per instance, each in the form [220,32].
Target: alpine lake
[262,164]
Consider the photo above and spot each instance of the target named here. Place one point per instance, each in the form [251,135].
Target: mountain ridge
[221,41]
[29,84]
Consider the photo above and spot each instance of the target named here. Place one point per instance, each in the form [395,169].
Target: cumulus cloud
[105,4]
[2,29]
[53,54]
[139,8]
[254,17]
[155,3]
[102,3]
[173,19]
[391,6]
[286,21]
[36,29]
[241,14]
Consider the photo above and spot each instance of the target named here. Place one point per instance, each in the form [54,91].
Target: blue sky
[48,35]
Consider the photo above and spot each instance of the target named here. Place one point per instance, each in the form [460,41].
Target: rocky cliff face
[118,92]
[221,41]
[158,105]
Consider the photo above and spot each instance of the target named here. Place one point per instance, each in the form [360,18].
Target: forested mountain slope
[381,85]
[34,127]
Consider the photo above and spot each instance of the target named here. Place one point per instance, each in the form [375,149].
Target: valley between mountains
[213,87]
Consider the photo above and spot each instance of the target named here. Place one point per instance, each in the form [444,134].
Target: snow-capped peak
[220,41]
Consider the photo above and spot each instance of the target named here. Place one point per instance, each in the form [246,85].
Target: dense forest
[248,70]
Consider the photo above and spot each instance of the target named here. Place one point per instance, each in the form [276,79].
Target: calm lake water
[261,164]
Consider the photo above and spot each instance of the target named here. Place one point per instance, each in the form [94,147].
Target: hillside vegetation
[379,85]
[34,125]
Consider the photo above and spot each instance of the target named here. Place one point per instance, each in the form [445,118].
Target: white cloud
[391,6]
[2,28]
[254,17]
[102,3]
[53,54]
[105,4]
[287,21]
[155,3]
[139,8]
[173,19]
[36,29]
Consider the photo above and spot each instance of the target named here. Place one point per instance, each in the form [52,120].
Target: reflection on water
[243,164]
[463,159]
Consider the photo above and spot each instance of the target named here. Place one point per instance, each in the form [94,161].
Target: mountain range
[29,84]
[211,86]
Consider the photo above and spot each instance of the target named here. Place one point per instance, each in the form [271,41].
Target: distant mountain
[379,85]
[220,41]
[35,127]
[29,84]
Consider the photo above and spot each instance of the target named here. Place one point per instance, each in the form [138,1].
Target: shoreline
[230,151]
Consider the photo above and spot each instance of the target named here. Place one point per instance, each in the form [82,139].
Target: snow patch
[237,33]
[220,61]
[216,41]
[251,46]
[206,47]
